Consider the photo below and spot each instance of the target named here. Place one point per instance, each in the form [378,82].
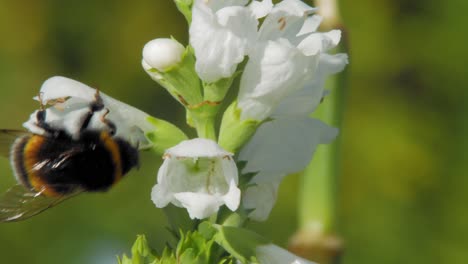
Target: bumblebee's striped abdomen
[61,165]
[17,160]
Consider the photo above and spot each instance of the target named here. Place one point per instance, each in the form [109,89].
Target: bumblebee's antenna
[41,104]
[41,114]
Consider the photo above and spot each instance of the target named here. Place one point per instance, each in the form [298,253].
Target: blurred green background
[403,193]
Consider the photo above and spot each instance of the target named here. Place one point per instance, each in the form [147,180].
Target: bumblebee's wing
[19,203]
[7,137]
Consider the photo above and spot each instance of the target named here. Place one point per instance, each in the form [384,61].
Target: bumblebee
[53,167]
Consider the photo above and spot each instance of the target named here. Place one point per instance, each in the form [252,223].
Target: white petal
[286,20]
[160,196]
[198,147]
[331,64]
[233,196]
[260,197]
[294,7]
[275,70]
[284,146]
[61,87]
[311,24]
[216,5]
[272,254]
[220,40]
[199,205]
[304,101]
[320,42]
[261,8]
[230,169]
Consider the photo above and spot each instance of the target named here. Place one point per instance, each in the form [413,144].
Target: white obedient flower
[284,81]
[70,102]
[198,175]
[220,34]
[286,57]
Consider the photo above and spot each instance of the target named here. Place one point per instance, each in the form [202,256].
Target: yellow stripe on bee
[114,150]
[30,152]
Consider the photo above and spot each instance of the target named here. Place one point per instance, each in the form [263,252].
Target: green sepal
[181,80]
[216,91]
[141,253]
[167,257]
[245,180]
[124,260]
[194,248]
[234,132]
[185,7]
[164,136]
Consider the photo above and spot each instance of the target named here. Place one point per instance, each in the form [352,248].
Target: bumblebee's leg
[41,118]
[94,106]
[110,124]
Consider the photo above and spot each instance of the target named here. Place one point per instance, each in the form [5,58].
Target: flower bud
[163,53]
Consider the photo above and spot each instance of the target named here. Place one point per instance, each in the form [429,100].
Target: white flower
[272,254]
[287,56]
[162,53]
[220,34]
[284,81]
[71,100]
[198,175]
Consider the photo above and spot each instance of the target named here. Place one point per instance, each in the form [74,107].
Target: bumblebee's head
[129,155]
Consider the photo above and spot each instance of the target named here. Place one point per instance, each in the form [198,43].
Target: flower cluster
[233,172]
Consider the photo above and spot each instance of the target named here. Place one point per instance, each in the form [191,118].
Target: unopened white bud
[163,53]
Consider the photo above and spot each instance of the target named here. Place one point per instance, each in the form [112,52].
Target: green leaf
[178,220]
[227,260]
[207,230]
[239,242]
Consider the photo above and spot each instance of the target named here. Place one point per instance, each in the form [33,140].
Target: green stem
[205,127]
[320,178]
[318,227]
